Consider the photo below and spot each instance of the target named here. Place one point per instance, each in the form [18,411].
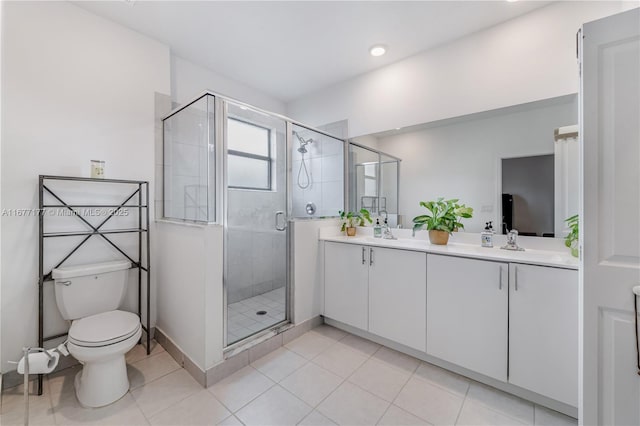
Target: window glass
[249,160]
[248,173]
[247,138]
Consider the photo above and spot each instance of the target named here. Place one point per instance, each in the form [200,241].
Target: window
[249,155]
[370,179]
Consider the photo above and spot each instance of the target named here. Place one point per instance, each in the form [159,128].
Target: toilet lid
[104,329]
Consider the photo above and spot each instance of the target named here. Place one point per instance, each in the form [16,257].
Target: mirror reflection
[373,181]
[526,152]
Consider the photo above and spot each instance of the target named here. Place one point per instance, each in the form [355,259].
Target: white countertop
[558,259]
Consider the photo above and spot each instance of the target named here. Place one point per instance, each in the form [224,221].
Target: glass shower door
[256,261]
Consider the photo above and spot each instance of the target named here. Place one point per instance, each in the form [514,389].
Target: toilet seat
[104,329]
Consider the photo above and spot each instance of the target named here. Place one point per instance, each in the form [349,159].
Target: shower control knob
[311,208]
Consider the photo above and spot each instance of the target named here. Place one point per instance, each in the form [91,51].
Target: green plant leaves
[571,240]
[445,215]
[352,219]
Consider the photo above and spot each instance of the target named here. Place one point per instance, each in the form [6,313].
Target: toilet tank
[90,289]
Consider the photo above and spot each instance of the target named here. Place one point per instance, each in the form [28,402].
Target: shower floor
[243,319]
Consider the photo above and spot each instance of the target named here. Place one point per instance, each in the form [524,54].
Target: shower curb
[235,359]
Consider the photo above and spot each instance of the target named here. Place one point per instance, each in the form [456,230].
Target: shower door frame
[221,198]
[222,116]
[379,174]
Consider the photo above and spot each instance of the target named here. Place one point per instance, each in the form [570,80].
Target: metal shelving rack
[142,228]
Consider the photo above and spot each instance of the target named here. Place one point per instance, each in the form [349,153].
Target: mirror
[527,195]
[373,183]
[474,158]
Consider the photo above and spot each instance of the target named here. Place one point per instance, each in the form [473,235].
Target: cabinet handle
[363,260]
[370,256]
[515,278]
[500,277]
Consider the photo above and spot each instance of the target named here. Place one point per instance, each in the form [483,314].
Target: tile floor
[324,377]
[243,320]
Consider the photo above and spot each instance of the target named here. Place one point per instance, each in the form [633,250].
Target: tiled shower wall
[325,165]
[254,247]
[252,270]
[187,157]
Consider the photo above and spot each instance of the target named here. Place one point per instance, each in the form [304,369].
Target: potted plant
[571,240]
[443,218]
[352,219]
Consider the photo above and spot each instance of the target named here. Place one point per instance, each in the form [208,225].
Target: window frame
[243,154]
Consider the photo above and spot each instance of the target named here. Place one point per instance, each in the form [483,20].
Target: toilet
[100,335]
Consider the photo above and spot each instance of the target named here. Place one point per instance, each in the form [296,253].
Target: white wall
[461,158]
[76,87]
[188,80]
[308,274]
[190,303]
[528,58]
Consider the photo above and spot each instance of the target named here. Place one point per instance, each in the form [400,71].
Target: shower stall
[252,171]
[374,182]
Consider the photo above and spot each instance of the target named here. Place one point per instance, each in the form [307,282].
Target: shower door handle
[284,222]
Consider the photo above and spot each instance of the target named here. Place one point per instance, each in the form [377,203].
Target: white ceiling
[289,49]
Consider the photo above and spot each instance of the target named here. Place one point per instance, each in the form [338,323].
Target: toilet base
[102,383]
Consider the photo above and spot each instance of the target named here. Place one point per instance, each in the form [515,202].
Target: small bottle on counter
[377,229]
[486,236]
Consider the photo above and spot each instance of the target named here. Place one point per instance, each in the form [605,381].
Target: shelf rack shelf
[141,195]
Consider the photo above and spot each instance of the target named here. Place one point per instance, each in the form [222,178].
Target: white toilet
[100,335]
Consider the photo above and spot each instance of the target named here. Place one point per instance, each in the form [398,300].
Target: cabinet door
[467,314]
[543,331]
[345,283]
[398,296]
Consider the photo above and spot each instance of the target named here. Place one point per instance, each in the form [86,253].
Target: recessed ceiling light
[378,50]
[512,1]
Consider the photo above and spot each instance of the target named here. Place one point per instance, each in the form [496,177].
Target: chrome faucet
[512,243]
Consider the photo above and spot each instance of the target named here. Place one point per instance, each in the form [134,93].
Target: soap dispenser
[377,229]
[487,235]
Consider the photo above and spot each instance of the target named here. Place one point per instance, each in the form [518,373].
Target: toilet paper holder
[32,361]
[35,355]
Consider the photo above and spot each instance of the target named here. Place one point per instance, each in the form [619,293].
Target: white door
[467,313]
[610,228]
[398,296]
[543,331]
[346,295]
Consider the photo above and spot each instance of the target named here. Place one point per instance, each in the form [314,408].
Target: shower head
[303,143]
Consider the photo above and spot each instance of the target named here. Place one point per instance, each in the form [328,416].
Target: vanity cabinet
[543,331]
[379,290]
[346,288]
[516,323]
[467,313]
[397,296]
